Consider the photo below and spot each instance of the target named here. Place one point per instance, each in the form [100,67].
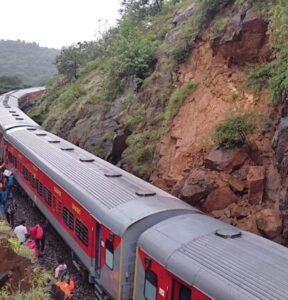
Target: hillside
[28,61]
[191,95]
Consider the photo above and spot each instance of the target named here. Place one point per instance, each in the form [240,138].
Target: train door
[181,291]
[98,247]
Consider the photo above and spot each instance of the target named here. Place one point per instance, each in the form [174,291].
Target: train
[135,240]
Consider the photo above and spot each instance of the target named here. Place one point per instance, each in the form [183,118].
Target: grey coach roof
[109,199]
[10,99]
[14,117]
[245,267]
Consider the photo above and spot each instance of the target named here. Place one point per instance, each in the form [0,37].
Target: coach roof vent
[31,129]
[86,159]
[54,141]
[228,233]
[19,119]
[12,111]
[67,148]
[112,175]
[145,193]
[15,115]
[41,134]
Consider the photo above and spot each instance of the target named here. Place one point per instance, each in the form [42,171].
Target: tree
[69,59]
[140,9]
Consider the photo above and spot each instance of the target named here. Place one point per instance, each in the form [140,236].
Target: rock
[220,159]
[255,182]
[218,214]
[248,224]
[272,184]
[219,199]
[244,39]
[193,193]
[269,222]
[181,16]
[241,212]
[280,144]
[237,185]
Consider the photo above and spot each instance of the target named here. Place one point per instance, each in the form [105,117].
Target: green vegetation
[274,73]
[219,25]
[136,61]
[37,279]
[10,83]
[29,62]
[178,97]
[233,131]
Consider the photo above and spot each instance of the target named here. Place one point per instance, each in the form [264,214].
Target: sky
[56,23]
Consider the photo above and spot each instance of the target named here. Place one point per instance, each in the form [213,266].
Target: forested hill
[28,61]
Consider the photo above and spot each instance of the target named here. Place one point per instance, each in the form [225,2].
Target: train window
[47,196]
[25,173]
[109,254]
[150,285]
[39,187]
[82,232]
[185,293]
[68,218]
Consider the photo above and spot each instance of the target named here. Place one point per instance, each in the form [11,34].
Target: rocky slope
[245,186]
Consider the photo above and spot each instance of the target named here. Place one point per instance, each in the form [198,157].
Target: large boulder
[244,39]
[255,182]
[220,159]
[249,224]
[272,184]
[237,185]
[219,199]
[193,193]
[269,222]
[196,187]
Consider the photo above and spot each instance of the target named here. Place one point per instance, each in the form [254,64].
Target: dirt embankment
[19,267]
[243,187]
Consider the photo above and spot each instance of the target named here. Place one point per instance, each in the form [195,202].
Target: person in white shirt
[21,232]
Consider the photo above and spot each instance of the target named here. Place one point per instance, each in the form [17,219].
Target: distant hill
[28,61]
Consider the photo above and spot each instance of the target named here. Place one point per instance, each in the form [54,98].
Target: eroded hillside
[153,105]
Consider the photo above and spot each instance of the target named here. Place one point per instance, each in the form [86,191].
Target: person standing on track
[21,231]
[36,234]
[10,210]
[44,225]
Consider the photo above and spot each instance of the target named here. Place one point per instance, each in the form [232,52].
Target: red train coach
[98,209]
[195,257]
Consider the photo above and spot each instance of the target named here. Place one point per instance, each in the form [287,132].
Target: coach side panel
[70,219]
[153,282]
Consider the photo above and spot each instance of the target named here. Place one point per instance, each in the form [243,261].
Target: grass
[177,99]
[233,131]
[39,276]
[219,25]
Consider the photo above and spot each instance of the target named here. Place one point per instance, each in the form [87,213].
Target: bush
[233,131]
[177,98]
[274,74]
[181,54]
[219,25]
